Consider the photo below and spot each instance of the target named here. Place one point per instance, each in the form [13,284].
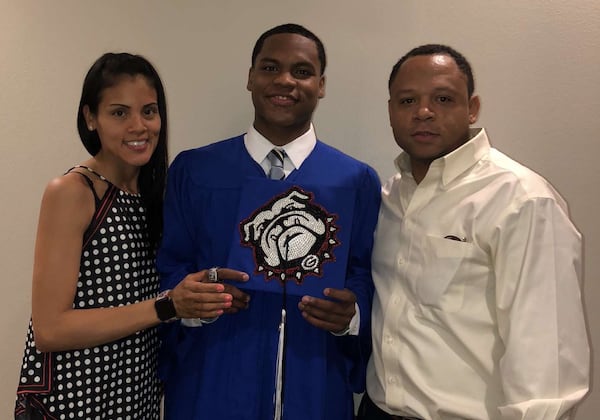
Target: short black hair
[291,28]
[433,49]
[108,71]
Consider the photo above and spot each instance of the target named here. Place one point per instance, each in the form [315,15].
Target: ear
[474,106]
[322,87]
[250,75]
[390,111]
[90,119]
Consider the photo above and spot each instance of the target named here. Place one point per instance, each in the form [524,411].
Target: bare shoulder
[70,196]
[71,185]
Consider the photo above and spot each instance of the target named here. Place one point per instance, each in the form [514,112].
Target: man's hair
[291,28]
[434,49]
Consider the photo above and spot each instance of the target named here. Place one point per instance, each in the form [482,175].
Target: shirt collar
[297,150]
[456,162]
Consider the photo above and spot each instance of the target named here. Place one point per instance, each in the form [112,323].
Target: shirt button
[400,261]
[392,380]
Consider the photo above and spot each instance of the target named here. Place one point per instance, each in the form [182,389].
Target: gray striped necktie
[276,157]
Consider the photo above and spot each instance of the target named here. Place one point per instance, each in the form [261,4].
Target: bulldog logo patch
[291,236]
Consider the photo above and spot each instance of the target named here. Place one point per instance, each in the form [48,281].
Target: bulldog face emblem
[291,236]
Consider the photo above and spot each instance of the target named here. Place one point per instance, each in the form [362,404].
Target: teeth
[137,143]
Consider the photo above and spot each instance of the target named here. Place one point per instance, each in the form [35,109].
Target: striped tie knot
[276,157]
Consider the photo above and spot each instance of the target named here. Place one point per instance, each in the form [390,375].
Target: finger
[239,304]
[228,274]
[322,324]
[343,295]
[208,298]
[193,291]
[196,282]
[237,293]
[331,311]
[327,316]
[239,300]
[207,314]
[201,310]
[327,305]
[231,274]
[202,287]
[210,306]
[313,304]
[195,277]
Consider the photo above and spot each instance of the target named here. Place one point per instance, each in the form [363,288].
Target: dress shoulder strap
[88,180]
[87,168]
[102,205]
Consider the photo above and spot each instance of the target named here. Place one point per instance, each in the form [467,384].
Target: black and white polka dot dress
[117,380]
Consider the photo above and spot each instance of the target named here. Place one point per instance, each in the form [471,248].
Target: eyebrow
[267,60]
[129,106]
[435,90]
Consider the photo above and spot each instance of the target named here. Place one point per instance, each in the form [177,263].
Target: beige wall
[536,62]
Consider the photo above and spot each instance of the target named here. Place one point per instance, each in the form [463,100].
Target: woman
[91,345]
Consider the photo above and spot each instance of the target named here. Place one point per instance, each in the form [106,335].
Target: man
[267,349]
[477,311]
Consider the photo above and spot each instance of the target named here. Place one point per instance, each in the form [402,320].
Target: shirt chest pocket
[444,273]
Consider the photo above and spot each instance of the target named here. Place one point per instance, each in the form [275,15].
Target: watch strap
[165,309]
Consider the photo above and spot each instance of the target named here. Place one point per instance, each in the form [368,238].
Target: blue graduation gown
[226,370]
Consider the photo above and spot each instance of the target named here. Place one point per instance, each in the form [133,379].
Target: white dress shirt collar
[454,163]
[297,150]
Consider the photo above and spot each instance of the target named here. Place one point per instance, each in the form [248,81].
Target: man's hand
[330,315]
[196,297]
[240,299]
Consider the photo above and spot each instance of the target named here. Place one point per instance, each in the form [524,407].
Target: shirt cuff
[197,322]
[354,325]
[544,409]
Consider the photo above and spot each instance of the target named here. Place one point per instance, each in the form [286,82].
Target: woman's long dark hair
[104,73]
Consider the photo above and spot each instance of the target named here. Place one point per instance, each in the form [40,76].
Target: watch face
[165,310]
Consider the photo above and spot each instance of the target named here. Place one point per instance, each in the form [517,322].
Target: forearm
[83,328]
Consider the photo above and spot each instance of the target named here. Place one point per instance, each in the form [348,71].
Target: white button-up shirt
[477,312]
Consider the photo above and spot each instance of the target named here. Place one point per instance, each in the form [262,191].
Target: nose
[285,78]
[138,124]
[424,111]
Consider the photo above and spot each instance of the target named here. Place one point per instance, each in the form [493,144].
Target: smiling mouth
[282,100]
[136,143]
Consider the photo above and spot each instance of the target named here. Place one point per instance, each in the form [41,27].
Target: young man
[291,338]
[477,311]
